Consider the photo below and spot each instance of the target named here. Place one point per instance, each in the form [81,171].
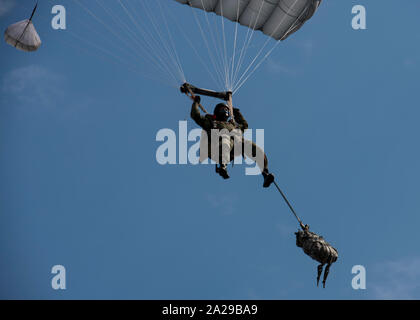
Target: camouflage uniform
[226,142]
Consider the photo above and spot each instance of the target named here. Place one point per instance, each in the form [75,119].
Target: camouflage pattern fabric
[227,148]
[208,122]
[318,249]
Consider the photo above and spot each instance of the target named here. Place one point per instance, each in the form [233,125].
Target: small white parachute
[22,35]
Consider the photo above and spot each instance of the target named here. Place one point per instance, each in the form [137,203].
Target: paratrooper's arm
[240,120]
[202,121]
[196,115]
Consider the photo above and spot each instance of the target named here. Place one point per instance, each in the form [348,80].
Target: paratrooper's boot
[268,178]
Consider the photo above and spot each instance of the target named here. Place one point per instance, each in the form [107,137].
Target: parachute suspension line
[212,58]
[110,56]
[234,48]
[81,22]
[248,42]
[255,68]
[194,49]
[104,24]
[216,43]
[241,53]
[123,25]
[268,53]
[216,30]
[154,58]
[288,204]
[225,51]
[265,44]
[159,57]
[162,40]
[166,52]
[166,56]
[154,46]
[113,58]
[124,41]
[172,40]
[142,44]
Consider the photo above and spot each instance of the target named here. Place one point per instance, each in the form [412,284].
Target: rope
[33,11]
[27,25]
[289,205]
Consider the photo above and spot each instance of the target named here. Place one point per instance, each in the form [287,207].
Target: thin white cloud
[6,6]
[33,85]
[286,231]
[410,63]
[399,279]
[274,66]
[307,46]
[277,66]
[222,203]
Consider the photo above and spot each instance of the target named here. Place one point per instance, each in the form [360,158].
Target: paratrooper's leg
[220,151]
[319,273]
[327,270]
[254,152]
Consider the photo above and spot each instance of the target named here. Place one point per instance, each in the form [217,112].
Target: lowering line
[313,245]
[289,205]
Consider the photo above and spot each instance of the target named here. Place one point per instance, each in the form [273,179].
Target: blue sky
[80,185]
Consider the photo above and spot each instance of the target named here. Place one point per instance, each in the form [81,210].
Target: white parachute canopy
[22,35]
[277,18]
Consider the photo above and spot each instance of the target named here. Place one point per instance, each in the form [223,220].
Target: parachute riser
[226,95]
[186,87]
[230,105]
